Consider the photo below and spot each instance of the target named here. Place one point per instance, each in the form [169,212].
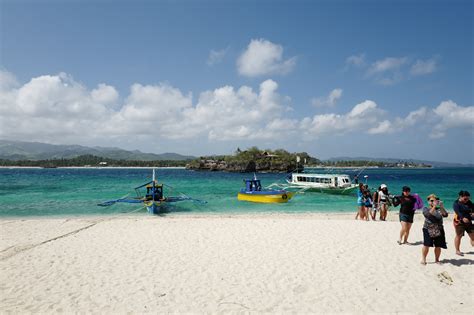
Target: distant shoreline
[96,167]
[183,167]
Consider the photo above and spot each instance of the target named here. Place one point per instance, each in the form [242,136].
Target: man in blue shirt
[464,214]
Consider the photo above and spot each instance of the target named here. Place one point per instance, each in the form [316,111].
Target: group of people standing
[369,203]
[433,232]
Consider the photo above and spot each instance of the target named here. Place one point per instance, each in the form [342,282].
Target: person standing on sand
[360,202]
[407,212]
[383,201]
[464,214]
[375,205]
[433,231]
[368,202]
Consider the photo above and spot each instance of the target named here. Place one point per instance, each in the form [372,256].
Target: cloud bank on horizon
[57,108]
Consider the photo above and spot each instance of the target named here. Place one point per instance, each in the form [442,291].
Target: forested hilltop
[256,160]
[253,160]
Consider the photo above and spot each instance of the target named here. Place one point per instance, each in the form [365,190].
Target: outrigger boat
[153,200]
[253,192]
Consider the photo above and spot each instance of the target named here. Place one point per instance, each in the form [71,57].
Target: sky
[382,79]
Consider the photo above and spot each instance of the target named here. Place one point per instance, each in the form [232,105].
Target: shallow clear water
[47,192]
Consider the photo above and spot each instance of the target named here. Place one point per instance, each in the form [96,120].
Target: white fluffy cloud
[382,127]
[105,94]
[387,64]
[216,56]
[263,57]
[451,115]
[422,67]
[411,119]
[359,119]
[7,81]
[399,124]
[391,70]
[387,71]
[56,108]
[330,100]
[50,106]
[436,122]
[356,60]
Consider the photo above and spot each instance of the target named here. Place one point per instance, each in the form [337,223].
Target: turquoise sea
[76,191]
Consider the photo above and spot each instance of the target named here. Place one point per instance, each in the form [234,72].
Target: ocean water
[77,191]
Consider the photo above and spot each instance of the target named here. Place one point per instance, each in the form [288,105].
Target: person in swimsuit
[360,202]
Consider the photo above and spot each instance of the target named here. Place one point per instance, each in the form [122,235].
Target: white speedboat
[327,183]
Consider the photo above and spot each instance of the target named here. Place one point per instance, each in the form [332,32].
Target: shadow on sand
[458,262]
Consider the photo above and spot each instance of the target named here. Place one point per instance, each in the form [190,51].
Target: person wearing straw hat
[433,231]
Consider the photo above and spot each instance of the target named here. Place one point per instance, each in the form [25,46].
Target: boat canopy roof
[253,185]
[321,175]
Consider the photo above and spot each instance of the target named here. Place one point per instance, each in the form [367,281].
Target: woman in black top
[407,212]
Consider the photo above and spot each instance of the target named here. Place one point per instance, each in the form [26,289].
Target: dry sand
[268,263]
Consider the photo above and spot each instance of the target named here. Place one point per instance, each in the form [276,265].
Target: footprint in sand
[300,289]
[445,278]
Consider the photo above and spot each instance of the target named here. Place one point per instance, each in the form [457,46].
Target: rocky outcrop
[241,167]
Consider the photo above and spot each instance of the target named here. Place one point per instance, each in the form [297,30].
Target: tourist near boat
[253,192]
[153,200]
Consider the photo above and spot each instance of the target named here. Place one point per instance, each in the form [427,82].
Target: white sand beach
[270,263]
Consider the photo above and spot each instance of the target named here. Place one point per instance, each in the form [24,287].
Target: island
[280,161]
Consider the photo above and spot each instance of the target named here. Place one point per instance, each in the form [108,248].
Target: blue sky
[332,78]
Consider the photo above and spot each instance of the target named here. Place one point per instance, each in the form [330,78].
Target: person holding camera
[463,216]
[407,212]
[433,231]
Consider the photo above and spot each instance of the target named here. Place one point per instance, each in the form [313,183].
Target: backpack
[375,196]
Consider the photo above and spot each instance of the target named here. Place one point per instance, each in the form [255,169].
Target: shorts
[461,228]
[406,217]
[439,241]
[368,206]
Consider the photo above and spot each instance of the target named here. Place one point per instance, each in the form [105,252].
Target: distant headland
[256,160]
[35,154]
